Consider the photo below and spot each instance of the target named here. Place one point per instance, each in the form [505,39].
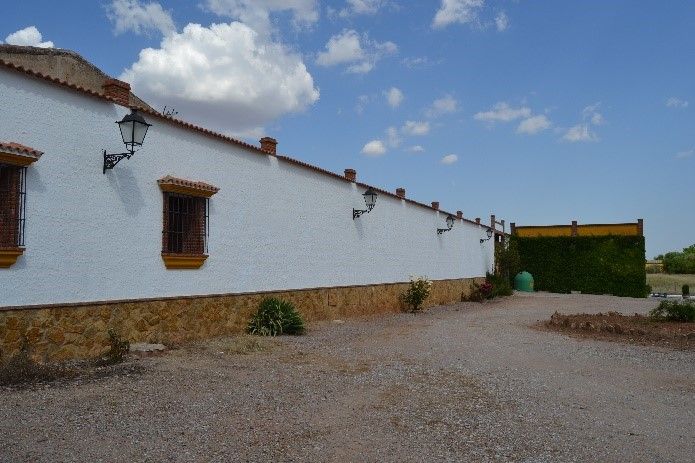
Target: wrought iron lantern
[449,225]
[490,232]
[369,199]
[133,130]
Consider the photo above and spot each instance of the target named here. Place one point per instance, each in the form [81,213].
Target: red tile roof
[205,131]
[189,184]
[12,146]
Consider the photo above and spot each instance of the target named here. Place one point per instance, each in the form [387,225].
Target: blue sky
[538,111]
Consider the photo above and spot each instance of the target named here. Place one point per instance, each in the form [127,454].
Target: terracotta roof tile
[190,184]
[12,146]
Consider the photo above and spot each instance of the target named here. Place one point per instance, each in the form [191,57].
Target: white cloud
[359,52]
[362,101]
[449,159]
[374,148]
[583,131]
[29,36]
[131,15]
[394,96]
[392,137]
[415,61]
[674,102]
[442,106]
[256,13]
[502,21]
[685,154]
[416,149]
[533,125]
[416,128]
[580,133]
[226,77]
[355,7]
[457,11]
[502,112]
[591,114]
[341,48]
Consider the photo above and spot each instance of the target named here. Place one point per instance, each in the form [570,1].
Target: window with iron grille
[185,224]
[12,205]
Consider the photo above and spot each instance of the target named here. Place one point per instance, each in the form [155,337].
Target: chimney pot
[477,220]
[117,90]
[459,215]
[351,174]
[269,145]
[400,192]
[435,205]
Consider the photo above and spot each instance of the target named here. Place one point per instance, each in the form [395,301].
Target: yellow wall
[550,230]
[625,229]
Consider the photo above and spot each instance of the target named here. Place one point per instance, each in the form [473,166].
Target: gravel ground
[469,382]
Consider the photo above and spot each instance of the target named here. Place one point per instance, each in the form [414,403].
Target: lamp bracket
[442,230]
[110,160]
[358,212]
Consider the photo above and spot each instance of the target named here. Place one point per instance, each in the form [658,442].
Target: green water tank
[523,281]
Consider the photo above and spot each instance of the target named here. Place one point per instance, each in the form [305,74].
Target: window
[14,159]
[185,222]
[12,202]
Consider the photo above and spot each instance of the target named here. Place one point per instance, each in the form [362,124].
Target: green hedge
[594,265]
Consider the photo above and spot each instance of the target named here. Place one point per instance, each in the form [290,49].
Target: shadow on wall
[124,183]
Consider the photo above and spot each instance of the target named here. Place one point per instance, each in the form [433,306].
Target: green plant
[685,290]
[118,349]
[479,292]
[680,262]
[508,260]
[590,264]
[675,311]
[500,286]
[417,292]
[275,317]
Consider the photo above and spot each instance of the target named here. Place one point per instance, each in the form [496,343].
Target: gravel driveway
[469,382]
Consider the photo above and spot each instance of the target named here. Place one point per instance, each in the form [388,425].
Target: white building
[192,213]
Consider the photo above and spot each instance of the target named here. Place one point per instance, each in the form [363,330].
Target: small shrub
[500,286]
[118,350]
[22,369]
[275,317]
[480,292]
[674,311]
[417,292]
[686,290]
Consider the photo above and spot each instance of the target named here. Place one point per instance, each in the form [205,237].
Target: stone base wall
[79,331]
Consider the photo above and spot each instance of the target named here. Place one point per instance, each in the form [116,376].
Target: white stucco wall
[273,225]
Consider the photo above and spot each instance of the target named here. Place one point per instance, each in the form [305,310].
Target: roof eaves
[208,132]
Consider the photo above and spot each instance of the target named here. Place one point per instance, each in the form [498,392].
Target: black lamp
[449,225]
[489,235]
[369,199]
[133,130]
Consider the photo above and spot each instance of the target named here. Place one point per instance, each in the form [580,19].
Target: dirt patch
[614,326]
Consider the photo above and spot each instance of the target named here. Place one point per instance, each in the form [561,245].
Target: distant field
[663,283]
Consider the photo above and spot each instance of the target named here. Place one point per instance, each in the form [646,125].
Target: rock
[143,347]
[691,336]
[338,322]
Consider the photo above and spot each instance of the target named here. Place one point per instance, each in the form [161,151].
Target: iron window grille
[12,205]
[186,224]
